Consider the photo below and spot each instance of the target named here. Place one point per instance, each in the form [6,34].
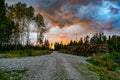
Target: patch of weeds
[104,73]
[25,53]
[107,66]
[12,75]
[83,68]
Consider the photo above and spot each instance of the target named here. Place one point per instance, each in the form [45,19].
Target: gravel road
[56,66]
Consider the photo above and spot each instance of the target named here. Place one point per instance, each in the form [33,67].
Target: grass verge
[12,75]
[107,66]
[25,53]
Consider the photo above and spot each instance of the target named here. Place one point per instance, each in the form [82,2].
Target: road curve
[56,66]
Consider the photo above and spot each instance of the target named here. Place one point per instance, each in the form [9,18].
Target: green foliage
[6,26]
[12,75]
[115,57]
[4,76]
[25,53]
[46,44]
[98,38]
[2,9]
[98,43]
[107,66]
[40,28]
[59,46]
[104,73]
[86,40]
[15,23]
[103,61]
[74,43]
[114,43]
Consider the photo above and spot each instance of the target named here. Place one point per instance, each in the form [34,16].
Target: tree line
[15,21]
[98,43]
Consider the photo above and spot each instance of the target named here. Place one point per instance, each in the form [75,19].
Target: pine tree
[6,26]
[86,40]
[46,44]
[2,18]
[80,42]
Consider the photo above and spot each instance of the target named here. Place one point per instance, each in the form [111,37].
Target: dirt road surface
[56,66]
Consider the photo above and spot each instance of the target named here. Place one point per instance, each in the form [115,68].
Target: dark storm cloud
[90,14]
[87,13]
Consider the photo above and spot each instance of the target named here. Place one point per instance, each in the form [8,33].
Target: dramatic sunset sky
[72,19]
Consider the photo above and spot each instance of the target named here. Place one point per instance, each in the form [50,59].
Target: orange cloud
[63,19]
[64,14]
